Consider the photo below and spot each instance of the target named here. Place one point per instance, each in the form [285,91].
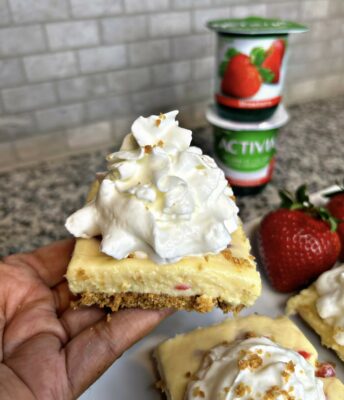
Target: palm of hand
[47,350]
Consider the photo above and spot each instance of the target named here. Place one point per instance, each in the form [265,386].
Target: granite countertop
[36,201]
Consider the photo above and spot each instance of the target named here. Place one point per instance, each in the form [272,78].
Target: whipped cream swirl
[255,368]
[330,304]
[161,198]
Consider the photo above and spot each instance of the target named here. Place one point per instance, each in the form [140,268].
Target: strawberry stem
[300,201]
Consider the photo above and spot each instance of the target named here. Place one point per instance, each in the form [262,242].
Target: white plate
[133,375]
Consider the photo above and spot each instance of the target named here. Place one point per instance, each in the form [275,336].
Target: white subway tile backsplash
[106,107]
[314,9]
[21,40]
[51,66]
[193,46]
[286,10]
[183,4]
[201,17]
[331,85]
[10,72]
[83,87]
[38,10]
[4,13]
[38,148]
[89,135]
[247,10]
[124,29]
[95,8]
[175,72]
[122,126]
[193,91]
[336,8]
[149,52]
[70,35]
[145,6]
[129,80]
[302,91]
[336,46]
[169,24]
[64,62]
[308,51]
[28,97]
[14,126]
[154,101]
[102,58]
[203,68]
[60,117]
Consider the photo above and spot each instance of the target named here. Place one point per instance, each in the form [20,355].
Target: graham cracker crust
[117,301]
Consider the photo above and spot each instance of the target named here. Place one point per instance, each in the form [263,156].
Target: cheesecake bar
[321,306]
[200,364]
[161,229]
[228,280]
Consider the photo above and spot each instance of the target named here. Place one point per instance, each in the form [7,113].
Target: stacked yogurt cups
[252,55]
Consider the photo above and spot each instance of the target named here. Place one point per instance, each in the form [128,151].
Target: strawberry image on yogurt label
[251,76]
[252,56]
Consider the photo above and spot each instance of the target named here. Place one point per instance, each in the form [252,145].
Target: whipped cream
[255,368]
[330,304]
[160,197]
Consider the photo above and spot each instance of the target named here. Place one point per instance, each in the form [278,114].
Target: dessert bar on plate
[161,229]
[249,357]
[322,307]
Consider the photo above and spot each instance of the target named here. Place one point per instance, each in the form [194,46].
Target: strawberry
[241,78]
[274,57]
[325,370]
[336,208]
[297,242]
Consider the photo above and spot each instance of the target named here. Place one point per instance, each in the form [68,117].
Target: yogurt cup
[252,56]
[246,151]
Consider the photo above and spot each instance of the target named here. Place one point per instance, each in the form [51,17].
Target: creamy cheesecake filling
[255,368]
[229,276]
[161,198]
[330,303]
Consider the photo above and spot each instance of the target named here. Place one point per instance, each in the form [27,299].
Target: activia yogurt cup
[246,151]
[251,66]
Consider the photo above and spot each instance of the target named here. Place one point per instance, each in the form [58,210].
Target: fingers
[62,297]
[91,352]
[75,321]
[50,262]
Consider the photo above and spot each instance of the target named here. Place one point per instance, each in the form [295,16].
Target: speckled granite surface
[36,201]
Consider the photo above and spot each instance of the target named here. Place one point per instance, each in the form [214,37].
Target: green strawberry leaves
[257,56]
[295,202]
[300,201]
[231,52]
[266,74]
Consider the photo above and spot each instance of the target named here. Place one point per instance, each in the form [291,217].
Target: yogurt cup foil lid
[255,26]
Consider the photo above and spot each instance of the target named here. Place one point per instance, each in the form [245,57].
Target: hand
[48,350]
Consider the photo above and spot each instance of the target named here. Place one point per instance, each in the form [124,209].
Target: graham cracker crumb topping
[249,360]
[159,119]
[197,392]
[241,390]
[148,149]
[275,392]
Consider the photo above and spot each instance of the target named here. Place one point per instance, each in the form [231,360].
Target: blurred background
[74,74]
